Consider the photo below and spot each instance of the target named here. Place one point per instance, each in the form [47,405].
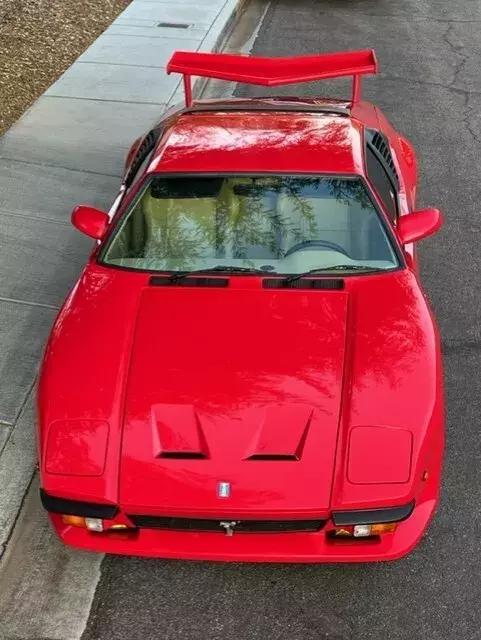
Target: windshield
[278,224]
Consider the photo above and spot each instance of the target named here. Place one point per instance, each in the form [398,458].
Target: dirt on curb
[39,40]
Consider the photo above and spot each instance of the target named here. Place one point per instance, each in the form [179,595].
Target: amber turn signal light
[92,524]
[363,530]
[74,521]
[378,529]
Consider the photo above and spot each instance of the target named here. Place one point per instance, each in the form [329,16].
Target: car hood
[299,399]
[233,401]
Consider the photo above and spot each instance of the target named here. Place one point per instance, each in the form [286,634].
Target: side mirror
[92,222]
[418,225]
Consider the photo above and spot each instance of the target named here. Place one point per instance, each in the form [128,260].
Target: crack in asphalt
[454,346]
[404,16]
[440,85]
[468,110]
[466,120]
[457,50]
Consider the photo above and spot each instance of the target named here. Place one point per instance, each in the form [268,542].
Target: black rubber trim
[280,108]
[188,281]
[76,508]
[373,516]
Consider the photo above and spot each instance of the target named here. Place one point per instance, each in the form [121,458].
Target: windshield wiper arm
[219,268]
[337,267]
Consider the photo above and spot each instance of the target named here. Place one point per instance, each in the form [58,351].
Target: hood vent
[279,457]
[170,442]
[336,284]
[282,434]
[183,455]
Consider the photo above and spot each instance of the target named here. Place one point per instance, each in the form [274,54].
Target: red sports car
[248,368]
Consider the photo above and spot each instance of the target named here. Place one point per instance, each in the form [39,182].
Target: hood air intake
[326,284]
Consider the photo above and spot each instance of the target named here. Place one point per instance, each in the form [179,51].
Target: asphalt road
[430,87]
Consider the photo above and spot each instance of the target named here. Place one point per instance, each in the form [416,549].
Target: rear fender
[410,164]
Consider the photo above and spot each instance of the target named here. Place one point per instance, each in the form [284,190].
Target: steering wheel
[308,244]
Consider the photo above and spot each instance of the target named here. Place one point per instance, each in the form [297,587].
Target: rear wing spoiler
[273,72]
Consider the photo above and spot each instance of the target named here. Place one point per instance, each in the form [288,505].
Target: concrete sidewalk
[68,148]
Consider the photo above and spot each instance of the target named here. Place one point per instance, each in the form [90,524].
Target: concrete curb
[213,43]
[17,467]
[228,17]
[225,22]
[17,444]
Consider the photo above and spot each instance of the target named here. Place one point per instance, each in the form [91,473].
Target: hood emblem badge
[223,490]
[229,527]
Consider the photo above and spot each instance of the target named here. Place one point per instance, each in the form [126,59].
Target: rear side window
[383,185]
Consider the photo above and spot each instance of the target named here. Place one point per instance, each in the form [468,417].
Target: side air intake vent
[380,144]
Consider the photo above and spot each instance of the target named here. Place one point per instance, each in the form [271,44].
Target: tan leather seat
[185,227]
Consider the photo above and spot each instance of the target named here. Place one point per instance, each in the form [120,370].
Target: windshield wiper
[219,268]
[337,267]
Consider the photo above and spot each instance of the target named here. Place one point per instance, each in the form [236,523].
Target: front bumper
[315,547]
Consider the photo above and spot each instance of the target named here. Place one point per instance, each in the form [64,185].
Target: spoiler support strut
[273,72]
[356,89]
[188,90]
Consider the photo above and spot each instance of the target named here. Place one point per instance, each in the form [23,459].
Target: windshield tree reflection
[280,224]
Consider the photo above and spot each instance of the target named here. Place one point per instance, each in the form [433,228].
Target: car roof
[257,142]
